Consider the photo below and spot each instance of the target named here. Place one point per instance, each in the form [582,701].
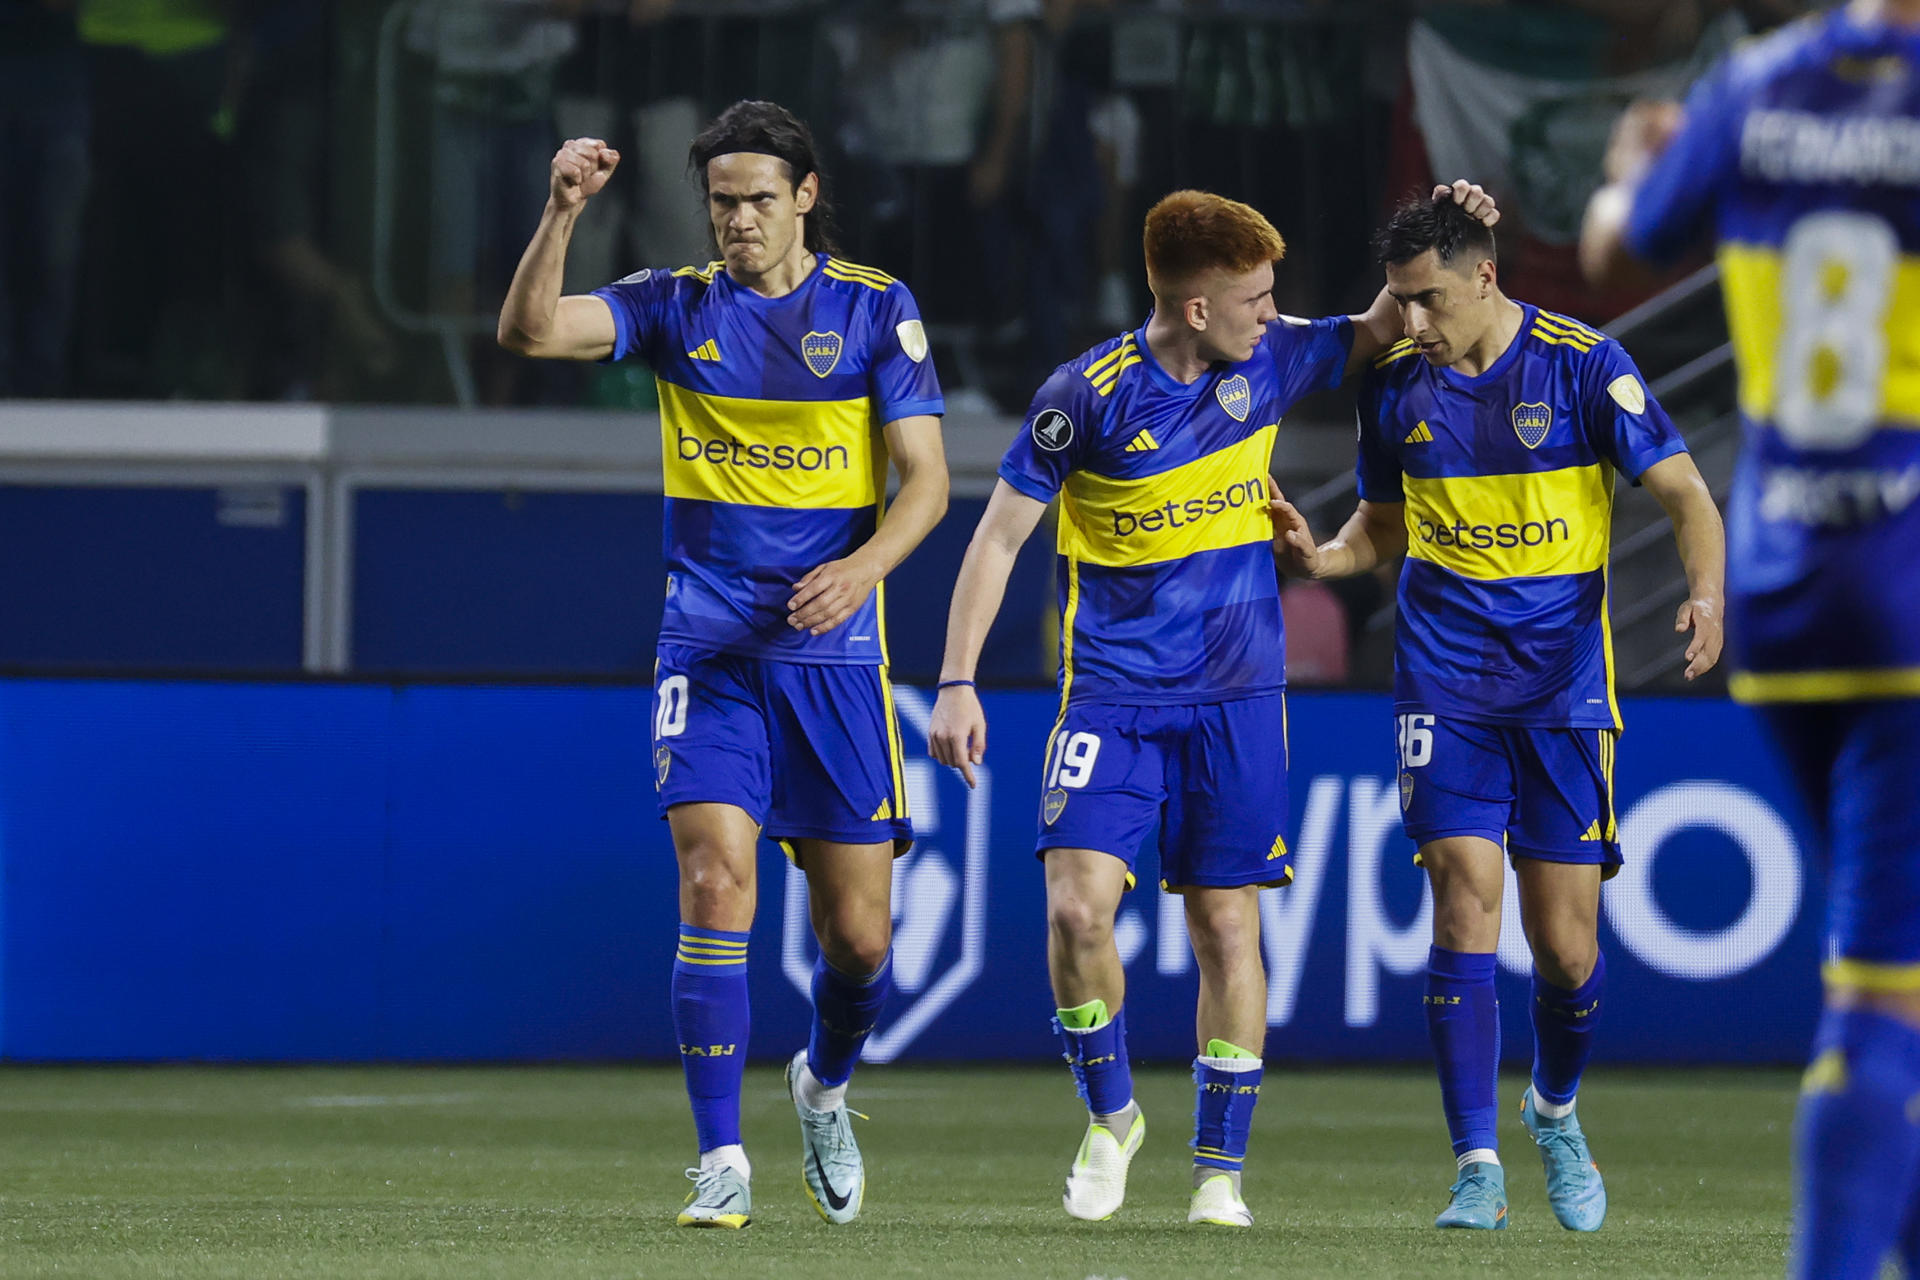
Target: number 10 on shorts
[1416,740]
[1070,759]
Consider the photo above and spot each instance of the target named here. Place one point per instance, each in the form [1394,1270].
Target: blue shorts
[1855,763]
[811,751]
[1539,793]
[1213,776]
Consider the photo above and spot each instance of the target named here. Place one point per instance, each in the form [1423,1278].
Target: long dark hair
[769,129]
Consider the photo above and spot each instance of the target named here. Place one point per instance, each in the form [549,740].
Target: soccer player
[788,378]
[1172,663]
[1801,153]
[1489,439]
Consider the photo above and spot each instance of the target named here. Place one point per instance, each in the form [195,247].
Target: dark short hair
[768,129]
[1422,223]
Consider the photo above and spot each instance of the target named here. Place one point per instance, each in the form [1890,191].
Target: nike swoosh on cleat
[731,1197]
[834,1198]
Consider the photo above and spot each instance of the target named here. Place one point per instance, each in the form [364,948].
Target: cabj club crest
[821,352]
[1052,804]
[1235,396]
[1531,422]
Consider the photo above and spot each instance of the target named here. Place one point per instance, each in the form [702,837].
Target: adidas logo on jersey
[705,351]
[1592,832]
[1419,435]
[884,812]
[1142,442]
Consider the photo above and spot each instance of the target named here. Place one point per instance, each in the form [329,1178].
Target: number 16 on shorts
[1416,740]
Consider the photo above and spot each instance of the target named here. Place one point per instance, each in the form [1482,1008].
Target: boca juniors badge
[1235,396]
[662,761]
[1531,423]
[821,352]
[1406,790]
[1052,804]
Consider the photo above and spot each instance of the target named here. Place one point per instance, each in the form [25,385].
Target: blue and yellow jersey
[1801,154]
[1168,592]
[771,412]
[1507,478]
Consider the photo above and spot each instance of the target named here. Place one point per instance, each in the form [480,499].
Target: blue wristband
[953,684]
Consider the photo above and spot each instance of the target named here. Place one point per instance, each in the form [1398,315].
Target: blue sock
[844,1011]
[1223,1113]
[1463,1021]
[710,1019]
[1563,1023]
[1856,1150]
[1097,1057]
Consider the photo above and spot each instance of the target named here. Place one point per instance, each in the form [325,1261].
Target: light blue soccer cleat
[1479,1199]
[1574,1188]
[830,1164]
[719,1199]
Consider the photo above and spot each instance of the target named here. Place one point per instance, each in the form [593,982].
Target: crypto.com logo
[939,914]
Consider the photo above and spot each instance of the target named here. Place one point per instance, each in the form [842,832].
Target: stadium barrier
[335,871]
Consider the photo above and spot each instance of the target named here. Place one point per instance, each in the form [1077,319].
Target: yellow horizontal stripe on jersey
[855,268]
[1538,524]
[1863,975]
[1756,309]
[1216,501]
[769,453]
[835,271]
[703,274]
[1824,686]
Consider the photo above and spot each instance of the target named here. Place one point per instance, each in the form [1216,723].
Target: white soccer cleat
[1217,1201]
[1097,1183]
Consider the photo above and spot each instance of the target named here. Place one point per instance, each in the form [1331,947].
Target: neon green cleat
[1097,1183]
[1217,1199]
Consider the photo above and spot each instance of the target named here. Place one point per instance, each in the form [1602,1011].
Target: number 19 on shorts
[1416,740]
[1070,759]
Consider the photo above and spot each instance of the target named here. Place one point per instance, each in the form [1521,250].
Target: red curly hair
[1193,232]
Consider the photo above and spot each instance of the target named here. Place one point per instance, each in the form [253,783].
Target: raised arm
[958,734]
[1702,540]
[535,320]
[829,594]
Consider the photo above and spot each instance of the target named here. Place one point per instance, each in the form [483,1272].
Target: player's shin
[1096,1053]
[1856,1145]
[1226,1080]
[711,1021]
[845,1010]
[1563,1026]
[1463,1021]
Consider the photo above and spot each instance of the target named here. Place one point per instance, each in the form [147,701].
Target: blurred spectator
[493,137]
[937,132]
[1522,97]
[312,331]
[155,273]
[44,169]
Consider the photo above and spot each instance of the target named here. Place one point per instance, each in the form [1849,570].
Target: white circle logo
[1053,430]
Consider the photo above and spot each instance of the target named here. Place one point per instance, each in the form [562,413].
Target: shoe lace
[1575,1162]
[1474,1186]
[705,1180]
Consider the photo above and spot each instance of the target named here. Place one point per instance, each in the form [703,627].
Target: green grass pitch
[576,1172]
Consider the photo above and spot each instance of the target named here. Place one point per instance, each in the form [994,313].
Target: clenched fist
[580,168]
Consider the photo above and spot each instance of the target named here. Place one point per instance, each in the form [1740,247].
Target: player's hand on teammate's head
[580,169]
[1642,132]
[1703,617]
[957,735]
[1472,197]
